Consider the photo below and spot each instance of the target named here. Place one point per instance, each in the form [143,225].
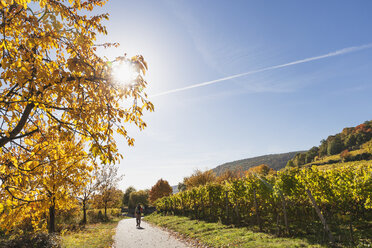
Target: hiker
[137,213]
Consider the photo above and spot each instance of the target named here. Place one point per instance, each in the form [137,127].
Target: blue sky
[273,111]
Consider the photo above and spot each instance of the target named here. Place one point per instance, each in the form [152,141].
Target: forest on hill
[275,161]
[353,144]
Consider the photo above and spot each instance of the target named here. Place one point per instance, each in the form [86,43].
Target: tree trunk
[52,219]
[84,212]
[321,217]
[105,210]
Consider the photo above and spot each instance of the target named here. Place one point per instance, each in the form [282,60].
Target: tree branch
[19,127]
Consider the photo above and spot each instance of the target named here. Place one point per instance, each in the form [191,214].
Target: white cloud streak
[301,61]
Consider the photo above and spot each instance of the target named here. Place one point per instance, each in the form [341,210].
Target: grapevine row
[288,201]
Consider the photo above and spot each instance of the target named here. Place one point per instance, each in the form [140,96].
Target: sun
[124,73]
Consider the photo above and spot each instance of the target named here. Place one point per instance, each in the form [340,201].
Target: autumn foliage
[60,106]
[159,190]
[112,198]
[199,178]
[261,170]
[284,201]
[229,175]
[138,197]
[345,155]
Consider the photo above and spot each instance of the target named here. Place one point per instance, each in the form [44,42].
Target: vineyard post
[202,205]
[321,217]
[278,230]
[182,206]
[284,213]
[174,206]
[195,210]
[237,213]
[351,233]
[256,209]
[187,206]
[227,205]
[210,205]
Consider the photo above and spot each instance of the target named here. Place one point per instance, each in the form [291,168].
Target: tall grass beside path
[99,235]
[219,235]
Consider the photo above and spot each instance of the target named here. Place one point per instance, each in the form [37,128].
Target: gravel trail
[128,236]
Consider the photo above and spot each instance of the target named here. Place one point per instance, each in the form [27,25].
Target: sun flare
[124,73]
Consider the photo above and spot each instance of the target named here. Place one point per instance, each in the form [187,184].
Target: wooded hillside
[275,161]
[353,144]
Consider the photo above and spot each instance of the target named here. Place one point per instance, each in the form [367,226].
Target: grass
[351,164]
[98,235]
[219,235]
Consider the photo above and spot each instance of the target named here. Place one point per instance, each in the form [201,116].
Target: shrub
[40,240]
[96,215]
[70,216]
[345,155]
[334,146]
[361,156]
[115,212]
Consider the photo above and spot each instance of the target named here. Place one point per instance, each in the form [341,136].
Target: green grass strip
[219,235]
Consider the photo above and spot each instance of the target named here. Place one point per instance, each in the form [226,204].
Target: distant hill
[175,189]
[275,161]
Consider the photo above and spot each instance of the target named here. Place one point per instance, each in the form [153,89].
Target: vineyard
[328,204]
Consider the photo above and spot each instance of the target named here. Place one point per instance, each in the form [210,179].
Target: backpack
[138,210]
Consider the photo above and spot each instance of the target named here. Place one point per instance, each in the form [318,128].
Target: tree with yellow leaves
[112,198]
[47,183]
[59,102]
[50,75]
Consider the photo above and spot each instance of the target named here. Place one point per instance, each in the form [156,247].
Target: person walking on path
[149,236]
[137,212]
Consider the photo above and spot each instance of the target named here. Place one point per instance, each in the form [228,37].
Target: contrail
[331,54]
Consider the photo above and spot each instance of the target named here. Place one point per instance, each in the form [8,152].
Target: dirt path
[128,236]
